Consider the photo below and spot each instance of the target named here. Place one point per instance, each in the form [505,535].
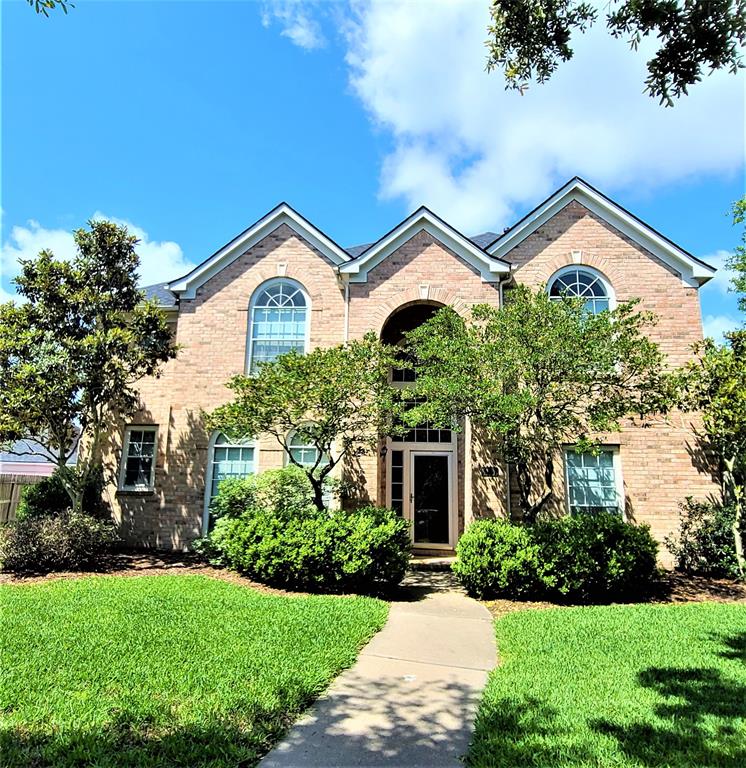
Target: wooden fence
[10,493]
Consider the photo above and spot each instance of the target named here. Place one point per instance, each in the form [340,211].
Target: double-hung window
[138,459]
[594,482]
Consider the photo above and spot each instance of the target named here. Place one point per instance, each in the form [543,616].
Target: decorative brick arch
[607,268]
[413,296]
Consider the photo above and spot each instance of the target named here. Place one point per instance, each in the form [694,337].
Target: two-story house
[284,284]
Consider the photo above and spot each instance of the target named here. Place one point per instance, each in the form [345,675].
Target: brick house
[284,284]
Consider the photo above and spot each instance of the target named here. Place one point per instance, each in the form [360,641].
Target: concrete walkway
[411,697]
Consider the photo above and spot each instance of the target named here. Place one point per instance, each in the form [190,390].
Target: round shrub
[48,497]
[593,558]
[497,558]
[705,543]
[67,541]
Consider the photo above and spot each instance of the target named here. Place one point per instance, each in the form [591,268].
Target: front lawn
[641,685]
[164,670]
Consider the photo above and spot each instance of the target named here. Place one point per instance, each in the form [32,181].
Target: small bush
[498,558]
[48,497]
[67,541]
[596,558]
[704,544]
[590,559]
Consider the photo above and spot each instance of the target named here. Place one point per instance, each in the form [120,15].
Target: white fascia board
[693,272]
[490,269]
[187,286]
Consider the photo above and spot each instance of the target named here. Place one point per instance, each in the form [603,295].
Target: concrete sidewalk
[410,698]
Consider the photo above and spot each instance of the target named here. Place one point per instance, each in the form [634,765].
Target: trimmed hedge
[268,528]
[581,559]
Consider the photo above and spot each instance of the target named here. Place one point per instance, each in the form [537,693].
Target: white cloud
[716,326]
[477,153]
[297,22]
[721,282]
[159,260]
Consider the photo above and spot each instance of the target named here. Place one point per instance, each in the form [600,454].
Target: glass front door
[431,497]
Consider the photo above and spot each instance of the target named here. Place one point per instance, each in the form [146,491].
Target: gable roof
[490,267]
[187,285]
[694,271]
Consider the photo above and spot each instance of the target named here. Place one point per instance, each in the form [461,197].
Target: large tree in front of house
[537,375]
[336,400]
[72,353]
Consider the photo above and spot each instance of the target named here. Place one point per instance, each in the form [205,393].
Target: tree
[715,384]
[337,399]
[70,356]
[737,262]
[536,375]
[529,38]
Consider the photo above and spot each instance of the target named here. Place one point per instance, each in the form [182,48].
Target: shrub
[48,497]
[704,544]
[498,558]
[590,558]
[595,558]
[336,551]
[268,528]
[66,541]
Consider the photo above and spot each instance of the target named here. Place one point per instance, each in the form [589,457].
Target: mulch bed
[673,587]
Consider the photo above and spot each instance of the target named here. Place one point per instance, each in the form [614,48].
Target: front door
[430,497]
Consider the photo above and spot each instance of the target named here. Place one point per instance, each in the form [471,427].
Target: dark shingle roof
[23,453]
[161,294]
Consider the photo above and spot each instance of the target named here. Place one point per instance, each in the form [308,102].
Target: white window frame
[618,478]
[252,306]
[211,466]
[591,271]
[289,442]
[125,455]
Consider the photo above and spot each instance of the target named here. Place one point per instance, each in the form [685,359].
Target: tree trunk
[733,495]
[318,491]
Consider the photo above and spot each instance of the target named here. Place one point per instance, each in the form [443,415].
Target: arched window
[579,282]
[226,459]
[302,450]
[278,321]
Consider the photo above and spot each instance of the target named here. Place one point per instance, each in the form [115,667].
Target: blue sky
[190,120]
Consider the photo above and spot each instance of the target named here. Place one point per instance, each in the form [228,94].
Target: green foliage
[164,671]
[70,356]
[287,492]
[496,558]
[529,38]
[596,558]
[582,559]
[49,497]
[737,262]
[359,550]
[704,544]
[63,542]
[535,375]
[622,685]
[337,399]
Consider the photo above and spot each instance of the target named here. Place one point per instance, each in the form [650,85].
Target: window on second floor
[278,322]
[577,282]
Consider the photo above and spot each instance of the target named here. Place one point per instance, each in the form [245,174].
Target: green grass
[617,686]
[164,670]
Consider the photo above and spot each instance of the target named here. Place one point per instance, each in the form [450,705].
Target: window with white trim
[594,482]
[229,459]
[303,451]
[576,282]
[278,322]
[138,458]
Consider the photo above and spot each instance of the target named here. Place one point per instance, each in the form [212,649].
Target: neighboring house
[25,458]
[284,284]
